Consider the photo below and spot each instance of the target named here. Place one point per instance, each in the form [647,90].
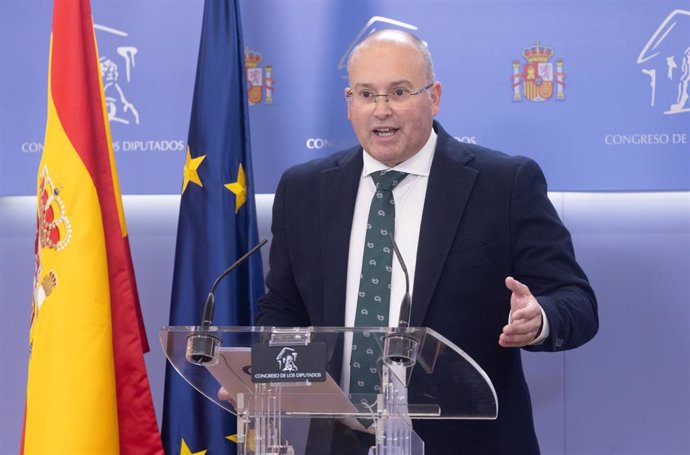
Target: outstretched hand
[525,316]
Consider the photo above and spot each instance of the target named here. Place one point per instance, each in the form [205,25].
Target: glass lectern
[269,376]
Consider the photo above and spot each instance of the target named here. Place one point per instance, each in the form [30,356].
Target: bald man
[492,267]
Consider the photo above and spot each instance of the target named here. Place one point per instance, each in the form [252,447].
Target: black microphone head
[400,348]
[201,349]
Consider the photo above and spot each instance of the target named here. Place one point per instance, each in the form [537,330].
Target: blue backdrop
[610,80]
[625,392]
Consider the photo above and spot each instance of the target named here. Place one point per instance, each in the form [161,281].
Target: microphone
[201,347]
[400,347]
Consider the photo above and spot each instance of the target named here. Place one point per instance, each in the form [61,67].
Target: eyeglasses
[398,98]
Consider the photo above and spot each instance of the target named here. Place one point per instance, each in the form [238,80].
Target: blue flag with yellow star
[217,225]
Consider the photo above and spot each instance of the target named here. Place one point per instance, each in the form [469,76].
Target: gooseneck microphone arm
[400,347]
[202,343]
[209,305]
[406,305]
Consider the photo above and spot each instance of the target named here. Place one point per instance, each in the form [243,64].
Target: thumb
[517,288]
[521,293]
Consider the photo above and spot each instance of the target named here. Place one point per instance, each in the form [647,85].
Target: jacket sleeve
[544,259]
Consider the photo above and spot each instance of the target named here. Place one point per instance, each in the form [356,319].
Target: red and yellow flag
[87,389]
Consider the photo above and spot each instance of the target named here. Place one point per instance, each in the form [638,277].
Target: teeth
[384,132]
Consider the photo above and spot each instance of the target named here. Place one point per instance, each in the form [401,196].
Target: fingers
[223,394]
[525,316]
[519,333]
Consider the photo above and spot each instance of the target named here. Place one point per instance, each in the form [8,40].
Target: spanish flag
[87,389]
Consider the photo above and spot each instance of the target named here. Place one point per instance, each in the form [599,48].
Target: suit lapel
[449,188]
[338,192]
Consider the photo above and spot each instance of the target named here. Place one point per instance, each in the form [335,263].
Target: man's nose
[382,108]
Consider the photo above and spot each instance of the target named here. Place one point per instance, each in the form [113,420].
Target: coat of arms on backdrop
[259,80]
[538,78]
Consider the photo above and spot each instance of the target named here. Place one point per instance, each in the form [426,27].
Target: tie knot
[387,180]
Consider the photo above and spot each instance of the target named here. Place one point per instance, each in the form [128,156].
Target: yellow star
[190,170]
[249,440]
[184,450]
[239,188]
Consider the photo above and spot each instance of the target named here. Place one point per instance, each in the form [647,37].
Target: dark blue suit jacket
[486,216]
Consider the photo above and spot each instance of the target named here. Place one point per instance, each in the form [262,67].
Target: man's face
[392,133]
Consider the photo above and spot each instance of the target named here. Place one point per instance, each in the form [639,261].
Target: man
[467,220]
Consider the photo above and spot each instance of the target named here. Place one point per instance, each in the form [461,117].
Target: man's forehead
[385,45]
[385,63]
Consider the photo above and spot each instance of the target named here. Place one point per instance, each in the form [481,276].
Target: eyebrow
[392,84]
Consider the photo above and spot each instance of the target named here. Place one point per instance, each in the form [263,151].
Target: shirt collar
[417,164]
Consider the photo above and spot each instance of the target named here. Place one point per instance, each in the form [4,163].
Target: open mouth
[385,131]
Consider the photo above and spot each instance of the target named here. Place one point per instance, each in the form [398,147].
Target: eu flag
[217,225]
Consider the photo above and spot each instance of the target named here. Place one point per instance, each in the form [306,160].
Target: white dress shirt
[409,197]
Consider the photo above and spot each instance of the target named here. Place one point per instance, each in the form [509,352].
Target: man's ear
[347,102]
[436,98]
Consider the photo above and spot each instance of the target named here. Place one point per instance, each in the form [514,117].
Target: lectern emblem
[287,360]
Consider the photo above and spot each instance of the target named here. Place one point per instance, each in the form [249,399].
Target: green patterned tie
[373,300]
